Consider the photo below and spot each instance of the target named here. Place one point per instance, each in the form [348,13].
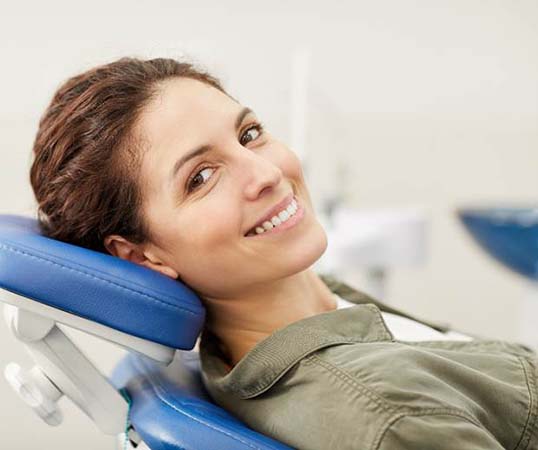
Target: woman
[153,162]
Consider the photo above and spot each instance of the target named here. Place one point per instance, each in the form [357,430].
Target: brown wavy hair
[86,154]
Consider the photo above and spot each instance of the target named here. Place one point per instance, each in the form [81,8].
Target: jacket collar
[271,358]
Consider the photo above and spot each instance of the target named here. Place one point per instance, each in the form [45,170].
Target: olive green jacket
[340,381]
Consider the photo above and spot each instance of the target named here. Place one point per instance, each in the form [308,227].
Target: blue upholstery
[172,411]
[170,407]
[98,287]
[510,235]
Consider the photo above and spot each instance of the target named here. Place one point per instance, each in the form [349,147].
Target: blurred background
[402,112]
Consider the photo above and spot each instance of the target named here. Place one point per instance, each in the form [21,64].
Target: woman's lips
[281,205]
[291,222]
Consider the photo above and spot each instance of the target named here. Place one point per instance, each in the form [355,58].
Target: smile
[284,220]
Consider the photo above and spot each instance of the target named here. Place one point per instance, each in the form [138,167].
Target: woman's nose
[261,174]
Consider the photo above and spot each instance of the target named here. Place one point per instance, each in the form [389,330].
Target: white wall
[430,103]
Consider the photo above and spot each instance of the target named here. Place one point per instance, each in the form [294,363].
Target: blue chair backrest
[99,287]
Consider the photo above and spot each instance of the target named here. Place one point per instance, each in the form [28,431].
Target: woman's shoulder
[464,375]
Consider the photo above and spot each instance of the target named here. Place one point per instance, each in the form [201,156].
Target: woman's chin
[311,247]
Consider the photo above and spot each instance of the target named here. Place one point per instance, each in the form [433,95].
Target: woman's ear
[122,248]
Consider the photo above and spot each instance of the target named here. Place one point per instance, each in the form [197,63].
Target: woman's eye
[251,134]
[191,185]
[257,129]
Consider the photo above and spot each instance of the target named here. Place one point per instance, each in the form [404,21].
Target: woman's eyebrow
[204,148]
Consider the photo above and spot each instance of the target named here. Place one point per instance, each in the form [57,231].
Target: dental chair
[155,399]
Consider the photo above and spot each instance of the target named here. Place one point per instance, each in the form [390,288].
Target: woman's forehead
[184,103]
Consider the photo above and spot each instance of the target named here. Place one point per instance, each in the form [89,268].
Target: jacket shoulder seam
[378,399]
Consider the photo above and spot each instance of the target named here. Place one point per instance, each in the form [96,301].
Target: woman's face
[199,210]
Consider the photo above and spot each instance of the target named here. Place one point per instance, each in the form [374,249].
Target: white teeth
[275,221]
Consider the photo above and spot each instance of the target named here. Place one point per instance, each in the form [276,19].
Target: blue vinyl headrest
[99,287]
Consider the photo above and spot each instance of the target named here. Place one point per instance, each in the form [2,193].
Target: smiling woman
[153,162]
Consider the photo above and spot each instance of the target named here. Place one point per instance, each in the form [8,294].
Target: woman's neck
[239,324]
